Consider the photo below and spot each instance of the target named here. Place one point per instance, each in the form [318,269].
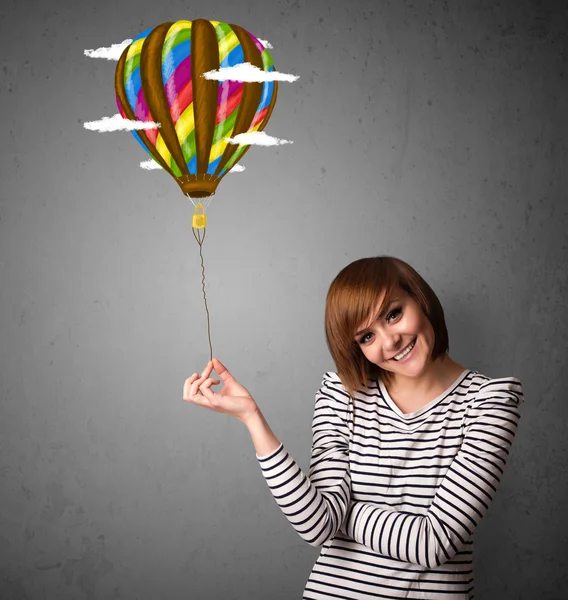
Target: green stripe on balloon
[235,157]
[222,30]
[131,65]
[267,61]
[188,147]
[183,35]
[223,129]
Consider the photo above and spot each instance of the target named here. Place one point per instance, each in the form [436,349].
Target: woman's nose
[391,342]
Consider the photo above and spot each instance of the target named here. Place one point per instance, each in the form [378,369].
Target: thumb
[222,370]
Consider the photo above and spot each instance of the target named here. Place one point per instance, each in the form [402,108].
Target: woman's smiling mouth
[402,355]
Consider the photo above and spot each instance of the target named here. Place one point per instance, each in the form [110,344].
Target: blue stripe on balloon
[143,34]
[174,57]
[132,88]
[235,57]
[192,165]
[213,166]
[267,90]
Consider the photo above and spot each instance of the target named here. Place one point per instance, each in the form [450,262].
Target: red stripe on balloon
[182,101]
[152,135]
[227,108]
[258,118]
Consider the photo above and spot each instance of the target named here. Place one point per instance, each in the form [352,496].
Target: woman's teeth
[405,351]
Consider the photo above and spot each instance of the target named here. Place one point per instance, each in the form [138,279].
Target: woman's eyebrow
[379,317]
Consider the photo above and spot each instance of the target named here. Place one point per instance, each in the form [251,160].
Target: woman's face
[401,340]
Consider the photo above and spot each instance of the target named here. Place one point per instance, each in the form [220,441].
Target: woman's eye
[394,313]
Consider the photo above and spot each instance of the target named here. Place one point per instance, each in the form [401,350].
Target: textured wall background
[435,132]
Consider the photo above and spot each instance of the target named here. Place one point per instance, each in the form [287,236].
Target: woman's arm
[315,505]
[463,497]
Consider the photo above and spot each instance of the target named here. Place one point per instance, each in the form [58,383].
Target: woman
[408,445]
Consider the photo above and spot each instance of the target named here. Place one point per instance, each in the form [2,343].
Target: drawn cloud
[118,123]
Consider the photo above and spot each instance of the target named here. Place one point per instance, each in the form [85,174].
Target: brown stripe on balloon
[153,85]
[252,94]
[204,58]
[121,93]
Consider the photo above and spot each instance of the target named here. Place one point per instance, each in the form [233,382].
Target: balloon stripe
[212,167]
[152,135]
[205,57]
[131,65]
[227,45]
[167,144]
[182,101]
[136,46]
[232,103]
[142,35]
[185,131]
[188,147]
[259,117]
[257,43]
[222,133]
[179,79]
[141,137]
[133,86]
[252,93]
[172,59]
[266,95]
[176,27]
[235,57]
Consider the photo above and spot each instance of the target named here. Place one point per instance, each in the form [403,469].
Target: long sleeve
[464,496]
[316,504]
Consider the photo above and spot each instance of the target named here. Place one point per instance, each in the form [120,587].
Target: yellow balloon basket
[199,219]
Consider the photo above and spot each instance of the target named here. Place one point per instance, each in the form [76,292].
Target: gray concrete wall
[435,132]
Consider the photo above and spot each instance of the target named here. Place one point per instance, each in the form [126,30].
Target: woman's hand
[234,399]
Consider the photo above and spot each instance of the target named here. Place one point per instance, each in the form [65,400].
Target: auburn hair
[352,299]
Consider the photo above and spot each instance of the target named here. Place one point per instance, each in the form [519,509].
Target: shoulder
[332,388]
[484,388]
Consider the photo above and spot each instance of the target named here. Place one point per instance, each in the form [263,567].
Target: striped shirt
[394,498]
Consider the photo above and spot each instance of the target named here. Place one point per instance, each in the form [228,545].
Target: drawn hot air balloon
[159,78]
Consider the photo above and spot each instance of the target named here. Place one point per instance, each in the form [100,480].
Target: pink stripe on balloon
[141,112]
[178,80]
[256,43]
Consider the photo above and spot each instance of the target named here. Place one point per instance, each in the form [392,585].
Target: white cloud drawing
[248,72]
[257,138]
[112,53]
[117,123]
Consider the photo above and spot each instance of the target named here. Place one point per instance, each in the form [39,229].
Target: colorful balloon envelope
[159,78]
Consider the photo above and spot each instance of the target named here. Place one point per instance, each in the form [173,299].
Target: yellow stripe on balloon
[217,150]
[135,48]
[175,28]
[162,149]
[186,123]
[228,43]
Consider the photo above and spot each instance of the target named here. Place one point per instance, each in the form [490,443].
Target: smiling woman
[408,445]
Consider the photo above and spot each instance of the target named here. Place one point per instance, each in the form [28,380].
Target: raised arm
[315,505]
[465,494]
